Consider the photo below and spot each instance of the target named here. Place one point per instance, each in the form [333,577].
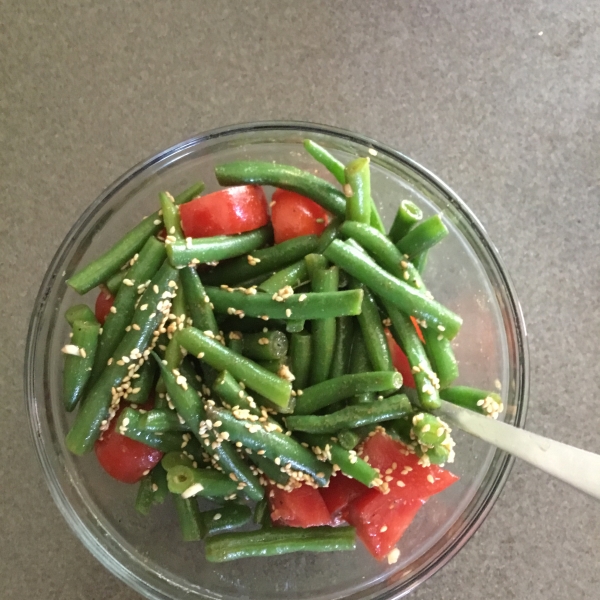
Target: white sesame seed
[217,517]
[430,478]
[393,556]
[113,310]
[288,312]
[192,490]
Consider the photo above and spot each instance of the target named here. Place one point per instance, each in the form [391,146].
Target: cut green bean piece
[407,216]
[352,416]
[292,276]
[348,439]
[232,394]
[347,460]
[274,365]
[295,325]
[142,383]
[79,360]
[269,469]
[113,259]
[441,356]
[481,401]
[145,496]
[176,459]
[309,306]
[331,232]
[263,262]
[262,513]
[236,344]
[80,312]
[159,484]
[266,345]
[190,193]
[219,247]
[159,420]
[373,333]
[323,330]
[221,358]
[423,236]
[408,299]
[94,407]
[190,519]
[358,179]
[332,164]
[208,483]
[323,394]
[113,283]
[420,261]
[121,314]
[275,541]
[225,518]
[426,380]
[285,177]
[360,363]
[300,358]
[170,215]
[278,447]
[344,334]
[198,304]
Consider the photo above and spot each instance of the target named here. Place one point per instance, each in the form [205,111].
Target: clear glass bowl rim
[513,308]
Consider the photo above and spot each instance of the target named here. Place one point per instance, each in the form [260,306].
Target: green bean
[198,305]
[323,394]
[219,247]
[176,459]
[80,312]
[275,541]
[189,405]
[127,425]
[373,333]
[344,334]
[351,416]
[172,358]
[113,283]
[407,216]
[269,469]
[332,164]
[360,363]
[439,351]
[190,520]
[232,394]
[323,330]
[189,370]
[295,325]
[170,215]
[481,401]
[159,484]
[323,305]
[285,177]
[266,345]
[358,180]
[429,430]
[426,380]
[407,299]
[262,513]
[217,356]
[159,420]
[375,220]
[384,252]
[208,483]
[300,358]
[262,262]
[145,496]
[95,405]
[294,275]
[403,429]
[423,236]
[330,233]
[143,382]
[274,365]
[277,446]
[225,518]
[113,259]
[120,316]
[347,460]
[348,439]
[178,308]
[236,344]
[189,193]
[79,359]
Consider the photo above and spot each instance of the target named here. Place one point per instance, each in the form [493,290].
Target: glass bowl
[464,273]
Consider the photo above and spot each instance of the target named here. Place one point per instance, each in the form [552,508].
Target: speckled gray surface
[506,115]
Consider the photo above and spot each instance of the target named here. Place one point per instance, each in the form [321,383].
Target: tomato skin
[294,215]
[418,329]
[339,493]
[400,361]
[381,520]
[104,302]
[383,452]
[225,212]
[302,507]
[122,458]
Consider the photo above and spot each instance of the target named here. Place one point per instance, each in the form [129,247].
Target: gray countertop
[500,99]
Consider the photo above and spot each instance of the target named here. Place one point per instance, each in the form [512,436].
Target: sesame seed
[393,556]
[142,307]
[372,152]
[263,341]
[400,483]
[113,310]
[192,490]
[288,312]
[383,529]
[347,190]
[430,478]
[217,517]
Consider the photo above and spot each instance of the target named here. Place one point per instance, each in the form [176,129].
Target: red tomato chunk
[339,493]
[294,215]
[225,212]
[104,301]
[400,361]
[302,507]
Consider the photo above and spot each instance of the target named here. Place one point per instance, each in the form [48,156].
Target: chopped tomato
[418,328]
[294,215]
[400,361]
[381,520]
[302,507]
[419,482]
[339,493]
[122,458]
[226,212]
[104,301]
